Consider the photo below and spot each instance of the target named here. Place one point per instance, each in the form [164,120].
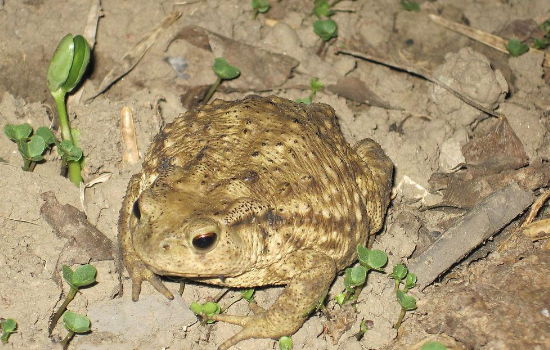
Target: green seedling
[248,294]
[260,6]
[544,42]
[315,86]
[285,343]
[8,327]
[75,324]
[31,145]
[516,48]
[67,67]
[206,310]
[82,276]
[224,71]
[321,8]
[364,326]
[326,29]
[433,345]
[408,5]
[355,277]
[399,273]
[402,275]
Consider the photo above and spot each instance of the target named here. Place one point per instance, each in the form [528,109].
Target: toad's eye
[205,240]
[136,211]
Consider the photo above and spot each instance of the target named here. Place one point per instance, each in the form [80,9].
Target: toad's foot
[140,273]
[301,296]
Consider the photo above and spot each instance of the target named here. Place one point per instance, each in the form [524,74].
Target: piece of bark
[498,150]
[466,189]
[85,240]
[479,224]
[356,90]
[260,69]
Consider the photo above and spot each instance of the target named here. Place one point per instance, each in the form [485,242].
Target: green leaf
[84,275]
[79,64]
[75,322]
[36,147]
[358,275]
[545,26]
[262,6]
[410,281]
[247,294]
[224,70]
[60,65]
[362,254]
[516,48]
[68,275]
[376,259]
[69,152]
[18,132]
[196,308]
[211,308]
[23,147]
[285,343]
[325,29]
[541,44]
[8,327]
[399,272]
[316,85]
[410,5]
[46,134]
[340,298]
[322,9]
[433,345]
[406,301]
[305,100]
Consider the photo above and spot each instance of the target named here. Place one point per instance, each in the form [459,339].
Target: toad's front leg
[307,288]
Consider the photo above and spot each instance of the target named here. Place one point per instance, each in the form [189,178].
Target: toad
[261,191]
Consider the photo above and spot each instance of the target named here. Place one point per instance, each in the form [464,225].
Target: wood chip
[478,225]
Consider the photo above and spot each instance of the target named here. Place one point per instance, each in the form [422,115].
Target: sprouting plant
[74,323]
[364,326]
[8,327]
[543,42]
[260,6]
[355,277]
[224,71]
[66,69]
[326,29]
[402,275]
[82,276]
[248,294]
[409,5]
[285,343]
[31,145]
[516,48]
[433,345]
[315,85]
[206,310]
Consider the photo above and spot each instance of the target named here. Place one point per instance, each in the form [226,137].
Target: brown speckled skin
[288,198]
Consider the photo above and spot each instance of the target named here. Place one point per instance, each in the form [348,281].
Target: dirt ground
[449,153]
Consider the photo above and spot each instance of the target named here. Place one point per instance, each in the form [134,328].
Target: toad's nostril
[165,246]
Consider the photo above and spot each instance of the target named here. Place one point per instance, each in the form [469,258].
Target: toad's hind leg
[304,292]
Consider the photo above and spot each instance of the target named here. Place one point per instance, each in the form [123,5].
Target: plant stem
[211,91]
[67,339]
[66,134]
[70,296]
[396,285]
[400,319]
[26,165]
